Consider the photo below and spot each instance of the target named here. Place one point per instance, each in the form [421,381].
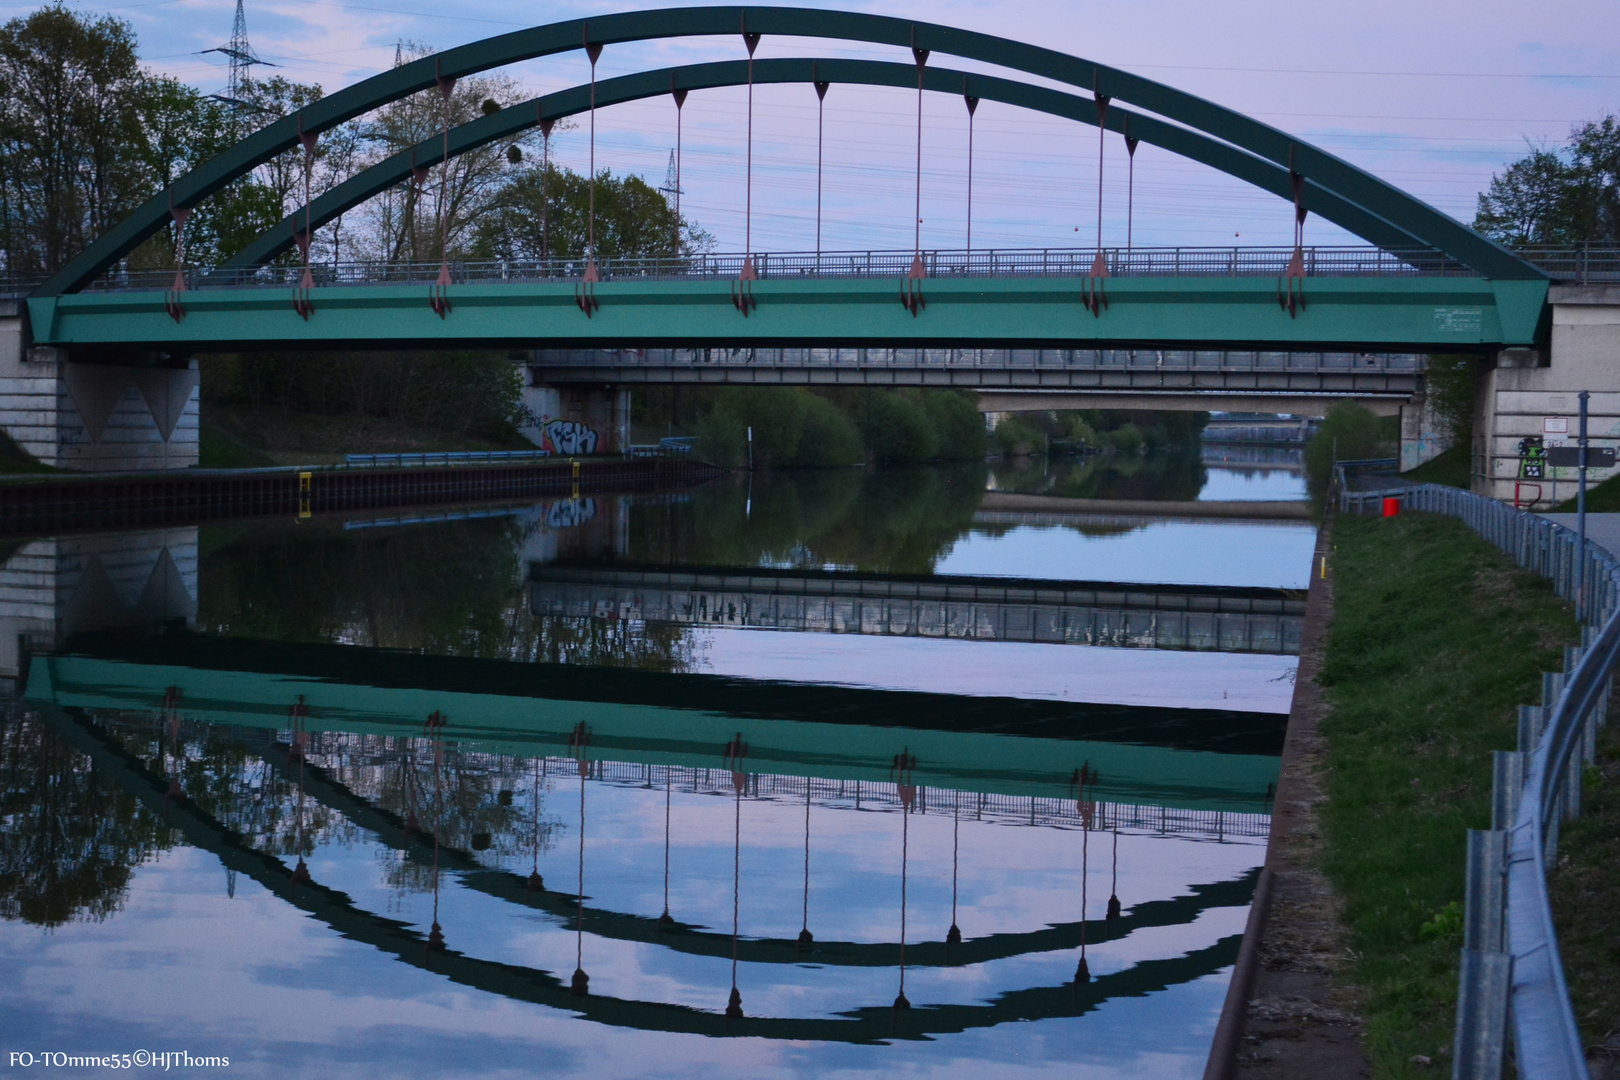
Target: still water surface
[668,785]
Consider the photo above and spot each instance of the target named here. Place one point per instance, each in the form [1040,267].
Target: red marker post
[1392,507]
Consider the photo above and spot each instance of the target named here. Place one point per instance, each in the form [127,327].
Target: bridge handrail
[448,457]
[1511,965]
[1356,260]
[997,358]
[1576,264]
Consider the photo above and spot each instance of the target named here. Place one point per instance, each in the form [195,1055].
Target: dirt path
[1300,1023]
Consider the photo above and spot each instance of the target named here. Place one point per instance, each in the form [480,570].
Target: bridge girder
[1370,314]
[1313,165]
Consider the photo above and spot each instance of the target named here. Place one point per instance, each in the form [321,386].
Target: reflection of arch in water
[869,1024]
[693,939]
[518,709]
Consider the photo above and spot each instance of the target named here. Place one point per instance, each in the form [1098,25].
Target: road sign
[1554,430]
[1569,457]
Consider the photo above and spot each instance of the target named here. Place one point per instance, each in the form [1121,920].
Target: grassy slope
[14,459]
[1586,895]
[1601,498]
[1436,639]
[234,436]
[1449,468]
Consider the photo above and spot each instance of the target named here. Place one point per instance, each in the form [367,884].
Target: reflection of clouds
[260,981]
[1245,682]
[1168,553]
[1242,485]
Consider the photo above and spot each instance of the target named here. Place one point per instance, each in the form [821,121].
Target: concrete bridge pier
[52,589]
[1423,437]
[95,417]
[571,419]
[1519,390]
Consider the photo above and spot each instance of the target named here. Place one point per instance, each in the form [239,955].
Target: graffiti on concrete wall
[567,437]
[570,513]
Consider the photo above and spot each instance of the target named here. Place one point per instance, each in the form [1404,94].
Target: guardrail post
[1485,977]
[1531,719]
[1507,785]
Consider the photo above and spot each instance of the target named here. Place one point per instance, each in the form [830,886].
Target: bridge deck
[1366,312]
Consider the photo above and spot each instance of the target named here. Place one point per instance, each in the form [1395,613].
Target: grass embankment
[1585,897]
[1601,498]
[1451,468]
[1436,640]
[15,460]
[238,437]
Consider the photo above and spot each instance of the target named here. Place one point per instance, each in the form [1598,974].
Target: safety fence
[1511,975]
[456,457]
[1153,360]
[1352,261]
[1579,264]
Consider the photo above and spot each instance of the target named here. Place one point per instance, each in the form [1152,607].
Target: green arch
[1411,215]
[516,119]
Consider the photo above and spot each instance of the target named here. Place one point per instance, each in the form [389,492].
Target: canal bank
[1433,639]
[31,506]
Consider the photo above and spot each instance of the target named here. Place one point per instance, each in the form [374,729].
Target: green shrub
[722,438]
[1015,435]
[896,429]
[829,437]
[958,425]
[1349,432]
[1127,439]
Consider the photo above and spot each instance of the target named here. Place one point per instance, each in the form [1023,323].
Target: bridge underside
[1412,314]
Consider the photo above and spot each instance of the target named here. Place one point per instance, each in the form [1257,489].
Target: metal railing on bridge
[1142,819]
[1583,263]
[1511,974]
[443,458]
[1163,360]
[1587,263]
[1357,261]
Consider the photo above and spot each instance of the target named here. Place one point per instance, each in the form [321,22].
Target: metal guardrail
[1579,264]
[1583,265]
[1511,975]
[1143,360]
[455,457]
[1354,261]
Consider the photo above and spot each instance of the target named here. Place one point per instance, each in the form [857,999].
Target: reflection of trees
[69,841]
[879,520]
[451,588]
[1168,475]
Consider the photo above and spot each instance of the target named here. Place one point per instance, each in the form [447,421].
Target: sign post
[1580,520]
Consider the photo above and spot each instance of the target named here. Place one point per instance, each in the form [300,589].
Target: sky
[1433,96]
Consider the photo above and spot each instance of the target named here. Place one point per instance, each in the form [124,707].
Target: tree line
[1562,195]
[87,133]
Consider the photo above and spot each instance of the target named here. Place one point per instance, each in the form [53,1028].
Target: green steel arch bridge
[1425,282]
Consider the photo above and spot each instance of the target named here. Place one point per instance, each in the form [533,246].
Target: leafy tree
[549,212]
[408,223]
[1349,432]
[1563,196]
[70,156]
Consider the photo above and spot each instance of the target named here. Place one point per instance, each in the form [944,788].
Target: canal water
[824,774]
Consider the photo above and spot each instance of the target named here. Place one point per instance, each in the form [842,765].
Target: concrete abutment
[95,417]
[1520,389]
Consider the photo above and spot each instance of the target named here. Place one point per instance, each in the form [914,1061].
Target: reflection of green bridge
[1182,759]
[864,1024]
[1208,618]
[693,939]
